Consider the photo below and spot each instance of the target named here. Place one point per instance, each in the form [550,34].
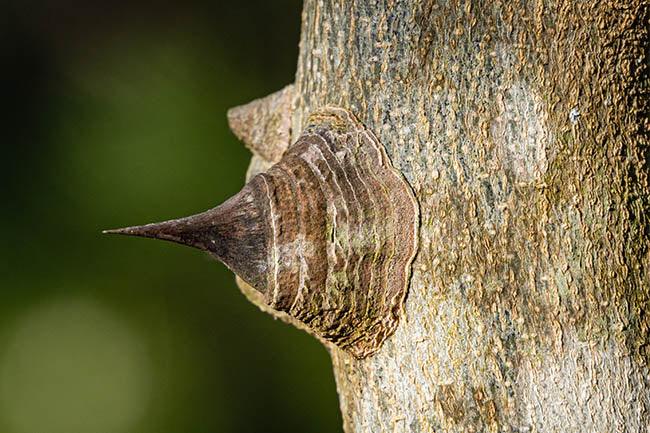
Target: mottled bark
[521,126]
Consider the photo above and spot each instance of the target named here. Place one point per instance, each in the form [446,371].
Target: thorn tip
[112,231]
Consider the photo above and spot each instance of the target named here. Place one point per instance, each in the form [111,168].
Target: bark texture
[522,128]
[520,125]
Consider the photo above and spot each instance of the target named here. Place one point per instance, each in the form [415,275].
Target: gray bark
[521,126]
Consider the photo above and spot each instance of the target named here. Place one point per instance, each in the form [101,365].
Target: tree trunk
[521,127]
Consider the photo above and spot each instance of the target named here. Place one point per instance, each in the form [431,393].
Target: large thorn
[234,232]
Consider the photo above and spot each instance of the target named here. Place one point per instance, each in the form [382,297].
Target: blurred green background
[114,114]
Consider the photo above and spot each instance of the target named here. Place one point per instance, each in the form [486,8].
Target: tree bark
[522,128]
